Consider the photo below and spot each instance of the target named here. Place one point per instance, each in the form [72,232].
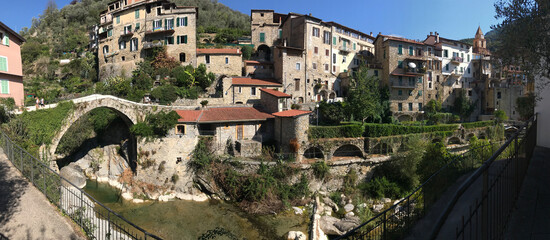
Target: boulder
[349,207]
[298,211]
[74,174]
[331,204]
[347,223]
[377,207]
[386,200]
[350,214]
[327,225]
[296,235]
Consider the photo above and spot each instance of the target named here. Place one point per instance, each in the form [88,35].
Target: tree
[524,37]
[431,109]
[163,60]
[331,113]
[462,105]
[526,106]
[364,99]
[500,116]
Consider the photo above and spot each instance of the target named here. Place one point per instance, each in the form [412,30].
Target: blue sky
[455,19]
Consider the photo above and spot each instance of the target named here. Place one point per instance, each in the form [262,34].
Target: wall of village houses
[286,62]
[259,70]
[317,59]
[263,24]
[222,64]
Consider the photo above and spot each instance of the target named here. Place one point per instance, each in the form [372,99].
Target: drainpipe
[305,61]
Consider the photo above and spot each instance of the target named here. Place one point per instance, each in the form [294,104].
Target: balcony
[417,57]
[344,49]
[126,33]
[402,85]
[159,30]
[148,45]
[457,60]
[106,19]
[415,71]
[110,54]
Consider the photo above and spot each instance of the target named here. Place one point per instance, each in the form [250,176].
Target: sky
[414,19]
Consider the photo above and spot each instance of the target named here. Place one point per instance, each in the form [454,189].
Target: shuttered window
[6,40]
[400,49]
[137,13]
[4,64]
[262,37]
[5,86]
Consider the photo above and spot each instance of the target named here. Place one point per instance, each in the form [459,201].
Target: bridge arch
[313,152]
[348,150]
[454,140]
[382,148]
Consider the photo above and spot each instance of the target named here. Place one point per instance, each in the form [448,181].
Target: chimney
[436,37]
[431,33]
[371,34]
[379,33]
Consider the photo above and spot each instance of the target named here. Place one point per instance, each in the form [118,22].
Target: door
[239,132]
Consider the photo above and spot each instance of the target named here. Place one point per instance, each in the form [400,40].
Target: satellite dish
[412,65]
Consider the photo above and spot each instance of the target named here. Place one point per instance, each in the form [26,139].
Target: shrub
[478,124]
[165,94]
[380,187]
[378,130]
[201,156]
[320,169]
[349,182]
[141,129]
[346,131]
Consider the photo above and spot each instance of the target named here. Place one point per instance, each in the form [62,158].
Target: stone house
[291,131]
[222,62]
[245,128]
[128,30]
[11,71]
[241,90]
[258,69]
[274,101]
[264,26]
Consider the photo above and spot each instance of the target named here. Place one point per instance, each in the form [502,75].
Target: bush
[162,122]
[379,130]
[141,129]
[320,169]
[478,124]
[381,187]
[345,131]
[165,94]
[201,156]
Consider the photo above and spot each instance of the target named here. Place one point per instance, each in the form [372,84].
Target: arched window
[105,49]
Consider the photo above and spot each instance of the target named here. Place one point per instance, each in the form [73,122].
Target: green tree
[331,113]
[525,106]
[247,51]
[462,106]
[435,157]
[500,116]
[364,99]
[431,109]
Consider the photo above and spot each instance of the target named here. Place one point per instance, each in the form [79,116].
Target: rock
[362,205]
[386,200]
[331,204]
[349,207]
[322,193]
[296,235]
[377,207]
[326,223]
[127,196]
[347,223]
[349,215]
[370,202]
[298,211]
[74,174]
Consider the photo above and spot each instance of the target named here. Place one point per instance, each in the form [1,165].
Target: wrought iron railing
[96,220]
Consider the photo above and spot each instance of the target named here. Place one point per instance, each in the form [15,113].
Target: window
[148,9]
[253,91]
[169,40]
[326,37]
[419,106]
[5,86]
[468,57]
[419,79]
[137,27]
[410,106]
[429,84]
[180,129]
[334,68]
[297,66]
[400,49]
[445,53]
[181,22]
[399,64]
[315,32]
[399,92]
[158,11]
[334,58]
[122,45]
[207,59]
[169,23]
[240,90]
[134,44]
[333,40]
[4,62]
[182,39]
[499,95]
[105,51]
[343,59]
[420,94]
[411,50]
[400,107]
[354,46]
[157,24]
[326,67]
[136,13]
[5,38]
[226,60]
[280,33]
[127,29]
[376,73]
[410,92]
[327,53]
[400,81]
[468,70]
[314,65]
[117,19]
[411,81]
[437,78]
[110,33]
[316,50]
[447,67]
[297,84]
[262,37]
[470,93]
[182,57]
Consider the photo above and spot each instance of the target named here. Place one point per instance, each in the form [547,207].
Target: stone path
[531,218]
[25,213]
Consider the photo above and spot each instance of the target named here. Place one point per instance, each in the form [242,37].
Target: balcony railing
[416,71]
[159,30]
[457,59]
[147,45]
[126,33]
[402,85]
[344,49]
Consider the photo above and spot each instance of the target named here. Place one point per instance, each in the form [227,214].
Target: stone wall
[218,64]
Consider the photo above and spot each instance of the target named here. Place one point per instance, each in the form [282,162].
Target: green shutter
[5,86]
[185,39]
[280,33]
[178,39]
[177,22]
[137,13]
[400,50]
[165,22]
[354,46]
[185,21]
[262,37]
[333,40]
[411,51]
[3,64]
[6,40]
[117,19]
[137,26]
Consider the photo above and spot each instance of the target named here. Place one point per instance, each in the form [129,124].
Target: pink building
[11,71]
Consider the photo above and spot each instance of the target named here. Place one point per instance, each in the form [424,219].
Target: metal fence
[396,221]
[495,188]
[96,220]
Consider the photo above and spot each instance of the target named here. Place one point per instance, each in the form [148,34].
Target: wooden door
[239,132]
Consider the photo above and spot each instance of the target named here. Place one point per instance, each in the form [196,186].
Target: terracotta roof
[257,62]
[403,74]
[218,51]
[399,39]
[223,114]
[255,82]
[291,113]
[275,93]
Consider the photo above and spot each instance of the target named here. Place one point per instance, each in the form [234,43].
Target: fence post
[485,206]
[384,235]
[516,158]
[32,170]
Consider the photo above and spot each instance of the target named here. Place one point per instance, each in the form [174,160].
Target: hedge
[478,124]
[379,130]
[344,131]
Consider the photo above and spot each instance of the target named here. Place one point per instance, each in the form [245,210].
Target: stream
[180,219]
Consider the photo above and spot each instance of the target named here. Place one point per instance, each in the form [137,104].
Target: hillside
[492,39]
[63,33]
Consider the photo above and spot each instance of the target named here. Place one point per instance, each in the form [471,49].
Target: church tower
[480,43]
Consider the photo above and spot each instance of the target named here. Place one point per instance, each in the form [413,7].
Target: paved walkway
[25,213]
[531,219]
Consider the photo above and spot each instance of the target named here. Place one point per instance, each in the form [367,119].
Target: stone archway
[405,118]
[348,150]
[264,52]
[313,152]
[454,140]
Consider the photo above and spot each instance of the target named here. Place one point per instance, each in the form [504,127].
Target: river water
[180,219]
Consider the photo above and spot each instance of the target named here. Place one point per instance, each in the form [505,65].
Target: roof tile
[275,92]
[291,113]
